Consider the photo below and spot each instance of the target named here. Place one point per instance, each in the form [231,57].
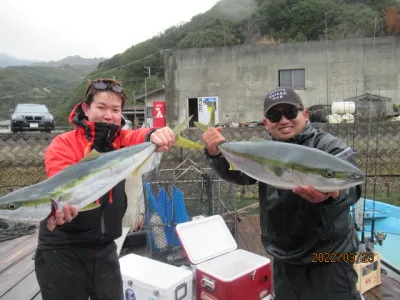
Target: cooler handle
[178,288]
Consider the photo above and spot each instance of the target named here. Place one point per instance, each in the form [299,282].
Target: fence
[376,145]
[177,195]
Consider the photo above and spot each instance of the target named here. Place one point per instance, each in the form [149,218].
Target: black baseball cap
[282,95]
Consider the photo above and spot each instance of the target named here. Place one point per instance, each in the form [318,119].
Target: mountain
[71,61]
[237,22]
[37,84]
[228,23]
[7,60]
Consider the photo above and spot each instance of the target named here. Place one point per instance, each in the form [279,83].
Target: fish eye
[12,206]
[355,176]
[329,173]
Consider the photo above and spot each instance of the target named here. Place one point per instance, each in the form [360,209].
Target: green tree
[297,20]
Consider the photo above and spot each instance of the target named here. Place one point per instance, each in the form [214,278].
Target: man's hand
[66,215]
[313,195]
[212,138]
[163,138]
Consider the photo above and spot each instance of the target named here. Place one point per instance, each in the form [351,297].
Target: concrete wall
[242,75]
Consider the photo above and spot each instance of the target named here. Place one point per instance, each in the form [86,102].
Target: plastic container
[342,107]
[369,274]
[223,272]
[334,119]
[148,279]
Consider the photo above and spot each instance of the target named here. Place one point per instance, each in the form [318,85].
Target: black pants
[320,281]
[79,272]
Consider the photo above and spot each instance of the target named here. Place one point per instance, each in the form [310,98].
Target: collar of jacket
[103,134]
[304,134]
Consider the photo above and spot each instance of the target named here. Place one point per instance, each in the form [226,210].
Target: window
[292,78]
[149,111]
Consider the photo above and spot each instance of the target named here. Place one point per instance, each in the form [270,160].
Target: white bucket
[342,108]
[334,119]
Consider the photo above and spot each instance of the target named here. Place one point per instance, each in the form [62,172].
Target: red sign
[159,117]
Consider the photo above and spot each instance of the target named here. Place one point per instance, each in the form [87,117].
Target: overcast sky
[52,29]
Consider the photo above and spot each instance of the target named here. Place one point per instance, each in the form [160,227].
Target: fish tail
[203,127]
[181,126]
[182,142]
[212,115]
[185,143]
[90,206]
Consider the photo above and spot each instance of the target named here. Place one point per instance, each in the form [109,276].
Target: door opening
[193,110]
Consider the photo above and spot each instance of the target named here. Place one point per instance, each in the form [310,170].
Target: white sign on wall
[204,109]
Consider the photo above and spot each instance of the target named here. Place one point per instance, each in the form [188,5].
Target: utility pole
[148,70]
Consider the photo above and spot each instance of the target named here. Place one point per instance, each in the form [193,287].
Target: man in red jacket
[76,256]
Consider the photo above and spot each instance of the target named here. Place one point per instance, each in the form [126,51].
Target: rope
[10,230]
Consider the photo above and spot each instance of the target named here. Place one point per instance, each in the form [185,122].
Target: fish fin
[182,142]
[185,143]
[232,167]
[91,155]
[136,171]
[90,206]
[201,126]
[346,153]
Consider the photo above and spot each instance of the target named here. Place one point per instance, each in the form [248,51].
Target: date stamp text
[351,257]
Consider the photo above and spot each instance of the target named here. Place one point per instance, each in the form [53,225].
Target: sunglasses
[107,85]
[103,85]
[290,114]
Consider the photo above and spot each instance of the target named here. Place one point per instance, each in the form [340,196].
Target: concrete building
[137,114]
[238,78]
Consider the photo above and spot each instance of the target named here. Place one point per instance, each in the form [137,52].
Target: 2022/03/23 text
[351,257]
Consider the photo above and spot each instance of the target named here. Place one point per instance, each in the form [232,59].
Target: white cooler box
[148,279]
[223,272]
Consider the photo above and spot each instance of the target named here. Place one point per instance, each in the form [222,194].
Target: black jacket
[293,228]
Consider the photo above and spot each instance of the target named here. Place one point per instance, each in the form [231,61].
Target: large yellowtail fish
[285,165]
[81,184]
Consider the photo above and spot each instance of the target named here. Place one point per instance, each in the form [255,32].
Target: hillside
[236,22]
[47,85]
[71,61]
[8,60]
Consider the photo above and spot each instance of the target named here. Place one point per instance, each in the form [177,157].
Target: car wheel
[14,130]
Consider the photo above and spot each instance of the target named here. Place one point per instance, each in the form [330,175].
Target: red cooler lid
[205,238]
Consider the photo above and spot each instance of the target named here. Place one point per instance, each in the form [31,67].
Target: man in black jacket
[301,224]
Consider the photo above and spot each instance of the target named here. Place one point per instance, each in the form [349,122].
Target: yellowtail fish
[286,165]
[81,184]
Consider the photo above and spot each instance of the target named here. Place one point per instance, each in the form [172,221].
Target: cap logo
[277,94]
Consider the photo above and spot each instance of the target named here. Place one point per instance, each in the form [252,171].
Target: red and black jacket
[104,224]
